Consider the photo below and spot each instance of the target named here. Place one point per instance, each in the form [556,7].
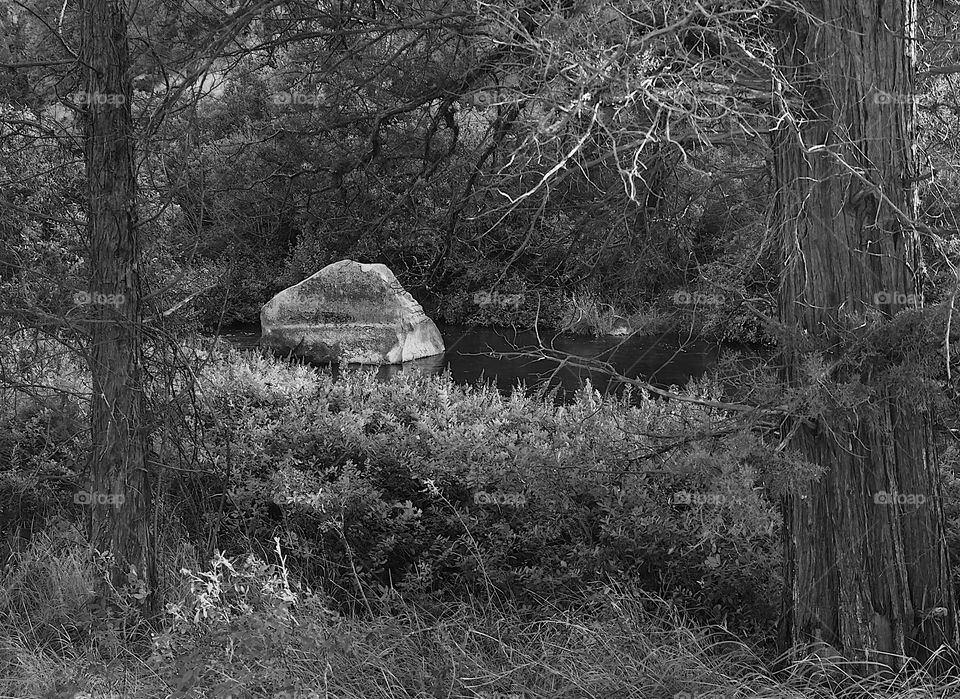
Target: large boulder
[351,313]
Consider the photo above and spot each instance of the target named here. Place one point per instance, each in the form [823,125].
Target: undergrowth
[354,538]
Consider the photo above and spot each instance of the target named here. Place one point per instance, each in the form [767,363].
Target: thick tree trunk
[117,460]
[870,578]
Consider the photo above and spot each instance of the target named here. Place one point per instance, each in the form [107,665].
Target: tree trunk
[117,461]
[868,577]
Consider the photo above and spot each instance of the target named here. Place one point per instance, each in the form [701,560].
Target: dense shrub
[374,485]
[370,484]
[43,432]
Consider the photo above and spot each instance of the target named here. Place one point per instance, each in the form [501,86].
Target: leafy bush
[371,485]
[44,440]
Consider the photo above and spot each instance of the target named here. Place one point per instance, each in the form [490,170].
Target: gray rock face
[351,313]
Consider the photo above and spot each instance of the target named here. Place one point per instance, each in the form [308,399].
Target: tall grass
[243,629]
[587,314]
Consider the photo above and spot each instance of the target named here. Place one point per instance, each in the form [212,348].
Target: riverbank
[408,538]
[508,357]
[397,508]
[415,538]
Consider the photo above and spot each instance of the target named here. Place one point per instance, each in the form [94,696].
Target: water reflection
[489,355]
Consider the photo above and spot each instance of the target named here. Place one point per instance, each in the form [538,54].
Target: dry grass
[621,643]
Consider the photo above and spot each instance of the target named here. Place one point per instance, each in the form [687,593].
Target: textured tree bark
[117,461]
[870,578]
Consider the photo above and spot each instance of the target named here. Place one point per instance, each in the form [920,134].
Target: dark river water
[482,355]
